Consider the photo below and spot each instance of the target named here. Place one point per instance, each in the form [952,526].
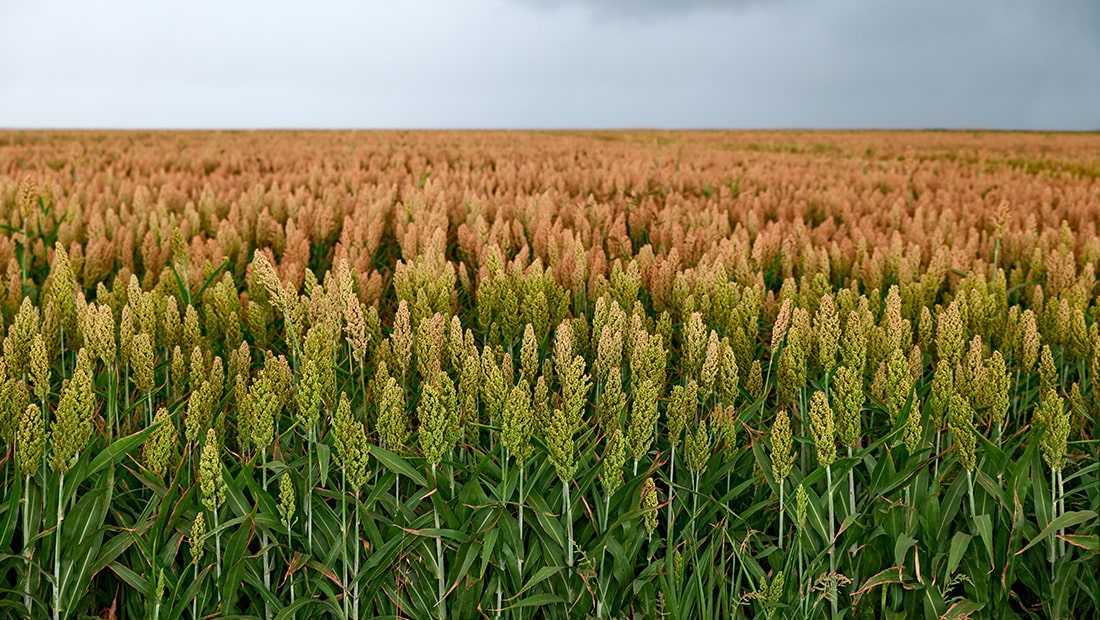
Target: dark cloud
[552,63]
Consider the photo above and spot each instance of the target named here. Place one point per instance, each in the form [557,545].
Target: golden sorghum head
[698,448]
[694,344]
[30,441]
[914,429]
[649,503]
[351,444]
[950,333]
[141,360]
[643,419]
[782,321]
[925,327]
[192,336]
[198,537]
[754,384]
[801,502]
[73,427]
[493,387]
[17,344]
[960,420]
[848,397]
[1029,340]
[159,450]
[827,331]
[939,395]
[712,361]
[611,404]
[1048,374]
[821,426]
[434,414]
[308,395]
[518,421]
[782,454]
[559,443]
[199,409]
[211,481]
[727,376]
[401,340]
[170,325]
[529,355]
[1055,421]
[681,407]
[286,498]
[574,389]
[428,345]
[724,424]
[611,464]
[899,382]
[393,420]
[791,375]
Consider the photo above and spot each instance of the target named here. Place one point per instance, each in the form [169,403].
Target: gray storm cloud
[551,63]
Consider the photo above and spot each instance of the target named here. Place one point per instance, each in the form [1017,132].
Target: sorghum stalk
[519,559]
[832,533]
[821,424]
[306,499]
[263,534]
[569,523]
[27,543]
[344,539]
[57,548]
[1061,511]
[355,560]
[439,572]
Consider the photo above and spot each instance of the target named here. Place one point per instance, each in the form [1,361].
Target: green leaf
[901,547]
[959,542]
[985,530]
[398,465]
[1069,519]
[1087,542]
[962,609]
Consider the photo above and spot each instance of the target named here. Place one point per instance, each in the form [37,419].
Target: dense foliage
[698,375]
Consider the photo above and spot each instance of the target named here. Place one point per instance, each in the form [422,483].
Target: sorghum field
[520,375]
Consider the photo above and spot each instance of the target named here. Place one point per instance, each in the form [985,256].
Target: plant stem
[217,548]
[1053,516]
[289,561]
[307,496]
[57,548]
[568,524]
[439,573]
[344,538]
[851,487]
[27,543]
[267,563]
[832,539]
[936,467]
[781,512]
[970,492]
[671,485]
[355,555]
[519,559]
[195,599]
[1061,511]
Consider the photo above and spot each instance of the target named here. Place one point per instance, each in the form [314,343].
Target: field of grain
[550,374]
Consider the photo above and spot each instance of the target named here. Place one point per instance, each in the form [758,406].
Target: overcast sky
[550,63]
